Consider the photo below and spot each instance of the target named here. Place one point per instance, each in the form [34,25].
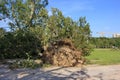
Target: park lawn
[104,57]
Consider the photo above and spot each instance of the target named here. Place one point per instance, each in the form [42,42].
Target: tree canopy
[32,29]
[22,13]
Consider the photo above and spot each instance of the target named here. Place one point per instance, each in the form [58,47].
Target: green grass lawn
[104,57]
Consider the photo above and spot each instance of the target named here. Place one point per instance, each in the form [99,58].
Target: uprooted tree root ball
[62,53]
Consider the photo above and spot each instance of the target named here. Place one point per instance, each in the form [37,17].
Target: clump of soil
[62,53]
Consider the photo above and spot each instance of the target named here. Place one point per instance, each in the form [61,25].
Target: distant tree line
[32,29]
[104,42]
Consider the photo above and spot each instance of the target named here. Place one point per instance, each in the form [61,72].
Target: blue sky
[103,15]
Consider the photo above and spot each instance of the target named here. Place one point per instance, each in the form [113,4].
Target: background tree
[83,36]
[23,15]
[104,42]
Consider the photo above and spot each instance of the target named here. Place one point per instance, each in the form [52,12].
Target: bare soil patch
[92,72]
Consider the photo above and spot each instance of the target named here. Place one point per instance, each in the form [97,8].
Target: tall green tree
[33,29]
[83,36]
[22,13]
[55,23]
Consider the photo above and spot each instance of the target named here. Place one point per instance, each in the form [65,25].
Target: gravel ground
[91,72]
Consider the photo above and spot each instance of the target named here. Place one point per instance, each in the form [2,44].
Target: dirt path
[111,72]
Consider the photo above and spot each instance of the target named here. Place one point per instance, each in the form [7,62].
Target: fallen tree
[62,53]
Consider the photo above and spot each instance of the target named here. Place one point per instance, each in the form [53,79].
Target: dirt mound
[62,53]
